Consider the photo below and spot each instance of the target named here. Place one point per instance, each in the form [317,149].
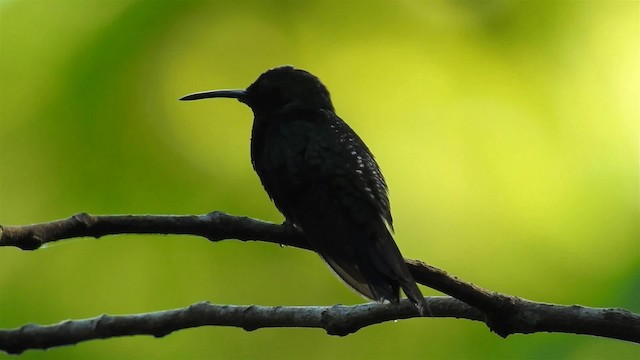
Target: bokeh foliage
[507,130]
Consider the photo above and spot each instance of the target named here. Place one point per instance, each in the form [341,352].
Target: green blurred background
[507,130]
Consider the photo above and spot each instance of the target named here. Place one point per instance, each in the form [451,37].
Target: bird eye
[275,97]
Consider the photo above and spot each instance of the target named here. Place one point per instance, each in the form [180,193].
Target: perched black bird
[325,181]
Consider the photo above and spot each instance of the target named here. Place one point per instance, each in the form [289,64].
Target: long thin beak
[235,94]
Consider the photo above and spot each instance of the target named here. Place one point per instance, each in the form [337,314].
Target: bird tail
[379,271]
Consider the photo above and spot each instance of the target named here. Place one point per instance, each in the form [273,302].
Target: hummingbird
[325,181]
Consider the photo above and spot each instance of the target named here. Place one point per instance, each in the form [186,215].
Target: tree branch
[335,320]
[214,226]
[503,314]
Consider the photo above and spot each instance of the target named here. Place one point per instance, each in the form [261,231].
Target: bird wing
[321,149]
[343,153]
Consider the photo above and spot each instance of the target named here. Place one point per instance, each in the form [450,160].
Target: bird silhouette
[324,180]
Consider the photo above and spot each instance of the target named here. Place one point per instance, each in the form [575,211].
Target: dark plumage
[325,181]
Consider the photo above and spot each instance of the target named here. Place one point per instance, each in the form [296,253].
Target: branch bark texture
[335,320]
[503,314]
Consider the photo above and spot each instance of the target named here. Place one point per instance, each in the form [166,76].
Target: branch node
[505,319]
[83,218]
[247,324]
[213,215]
[199,306]
[214,220]
[99,325]
[335,322]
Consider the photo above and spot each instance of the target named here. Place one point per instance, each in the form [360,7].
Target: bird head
[279,89]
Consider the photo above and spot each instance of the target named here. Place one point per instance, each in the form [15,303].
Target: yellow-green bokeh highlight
[508,133]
